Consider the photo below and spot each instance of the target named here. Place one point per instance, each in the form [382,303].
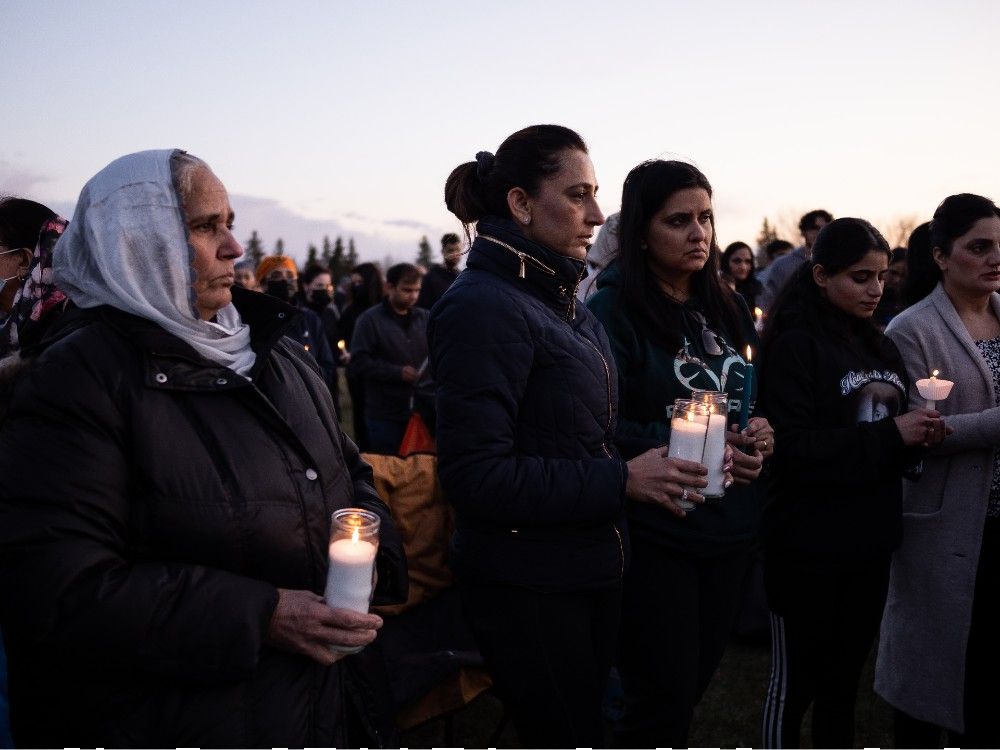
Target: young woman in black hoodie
[836,391]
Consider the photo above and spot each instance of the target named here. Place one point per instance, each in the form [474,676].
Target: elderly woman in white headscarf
[170,465]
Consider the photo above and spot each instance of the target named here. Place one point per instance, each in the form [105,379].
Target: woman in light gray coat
[939,655]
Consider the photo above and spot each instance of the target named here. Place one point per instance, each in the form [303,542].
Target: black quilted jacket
[527,403]
[152,504]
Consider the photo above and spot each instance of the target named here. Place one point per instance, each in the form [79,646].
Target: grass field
[728,716]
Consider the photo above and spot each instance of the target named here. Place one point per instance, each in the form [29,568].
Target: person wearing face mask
[29,303]
[366,289]
[278,277]
[316,295]
[29,300]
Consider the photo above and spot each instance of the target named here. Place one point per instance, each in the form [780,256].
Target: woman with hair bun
[939,654]
[527,405]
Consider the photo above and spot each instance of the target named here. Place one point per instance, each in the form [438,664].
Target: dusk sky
[346,117]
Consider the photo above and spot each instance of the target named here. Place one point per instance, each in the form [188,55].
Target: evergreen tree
[767,234]
[327,255]
[352,255]
[311,255]
[336,261]
[255,249]
[279,247]
[425,257]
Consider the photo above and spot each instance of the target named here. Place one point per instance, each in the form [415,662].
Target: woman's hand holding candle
[653,477]
[922,427]
[748,460]
[303,624]
[759,430]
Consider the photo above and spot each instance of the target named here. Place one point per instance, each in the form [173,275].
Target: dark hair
[954,217]
[479,188]
[731,249]
[839,245]
[776,246]
[21,222]
[922,273]
[449,239]
[370,291]
[402,273]
[808,221]
[647,188]
[312,271]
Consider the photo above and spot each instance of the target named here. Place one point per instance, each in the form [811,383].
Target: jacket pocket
[925,497]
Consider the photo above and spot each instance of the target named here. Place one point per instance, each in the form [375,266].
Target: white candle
[349,580]
[713,458]
[687,442]
[934,389]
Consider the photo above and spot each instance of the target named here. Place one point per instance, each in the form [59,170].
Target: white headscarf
[127,247]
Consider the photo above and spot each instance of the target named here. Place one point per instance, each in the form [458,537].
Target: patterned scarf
[38,301]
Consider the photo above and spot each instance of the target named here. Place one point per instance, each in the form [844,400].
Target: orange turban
[271,262]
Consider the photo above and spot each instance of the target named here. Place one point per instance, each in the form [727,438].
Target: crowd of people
[172,453]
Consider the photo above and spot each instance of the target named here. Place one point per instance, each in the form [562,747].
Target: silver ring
[684,495]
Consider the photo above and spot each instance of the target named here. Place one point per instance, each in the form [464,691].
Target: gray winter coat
[928,612]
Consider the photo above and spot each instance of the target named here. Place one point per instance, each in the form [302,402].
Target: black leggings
[823,626]
[549,655]
[677,618]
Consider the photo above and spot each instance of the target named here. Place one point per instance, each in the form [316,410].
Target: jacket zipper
[604,446]
[520,256]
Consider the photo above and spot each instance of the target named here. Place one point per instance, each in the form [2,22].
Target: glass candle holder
[715,439]
[688,429]
[350,580]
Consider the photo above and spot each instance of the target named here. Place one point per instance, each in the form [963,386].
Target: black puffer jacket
[152,504]
[527,403]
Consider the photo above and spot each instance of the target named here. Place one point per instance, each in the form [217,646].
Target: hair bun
[484,165]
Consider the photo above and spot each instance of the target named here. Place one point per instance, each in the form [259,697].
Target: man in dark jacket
[439,278]
[389,352]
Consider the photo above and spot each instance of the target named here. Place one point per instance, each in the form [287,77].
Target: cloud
[18,181]
[375,239]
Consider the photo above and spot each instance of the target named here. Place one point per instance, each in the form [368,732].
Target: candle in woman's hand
[747,392]
[687,437]
[934,389]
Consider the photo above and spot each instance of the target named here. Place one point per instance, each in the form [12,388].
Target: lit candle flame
[690,415]
[341,345]
[934,375]
[758,313]
[354,536]
[749,353]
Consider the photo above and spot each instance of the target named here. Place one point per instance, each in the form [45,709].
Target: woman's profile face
[740,263]
[209,220]
[974,263]
[564,211]
[679,236]
[858,288]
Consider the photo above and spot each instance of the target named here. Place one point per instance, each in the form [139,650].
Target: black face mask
[359,293]
[321,297]
[279,288]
